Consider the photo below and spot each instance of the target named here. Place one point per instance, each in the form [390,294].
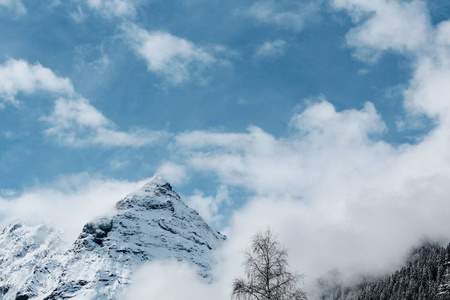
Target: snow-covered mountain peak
[150,224]
[154,184]
[155,194]
[156,180]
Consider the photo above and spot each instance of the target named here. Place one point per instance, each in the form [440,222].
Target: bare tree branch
[267,275]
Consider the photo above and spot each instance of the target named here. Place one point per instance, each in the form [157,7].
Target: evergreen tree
[424,277]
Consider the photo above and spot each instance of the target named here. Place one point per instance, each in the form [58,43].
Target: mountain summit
[150,224]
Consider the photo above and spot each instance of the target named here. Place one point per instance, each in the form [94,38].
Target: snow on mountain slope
[31,261]
[152,223]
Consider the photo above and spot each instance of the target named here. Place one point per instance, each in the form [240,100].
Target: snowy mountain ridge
[150,224]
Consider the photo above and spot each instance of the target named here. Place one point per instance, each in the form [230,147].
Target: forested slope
[420,279]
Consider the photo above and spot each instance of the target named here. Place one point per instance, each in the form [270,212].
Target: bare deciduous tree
[267,274]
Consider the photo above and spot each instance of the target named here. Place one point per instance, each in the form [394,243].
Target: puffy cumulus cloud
[290,15]
[399,26]
[18,76]
[77,123]
[14,5]
[68,203]
[114,8]
[174,58]
[251,159]
[322,122]
[271,49]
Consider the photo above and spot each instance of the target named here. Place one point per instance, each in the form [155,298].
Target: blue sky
[89,47]
[334,109]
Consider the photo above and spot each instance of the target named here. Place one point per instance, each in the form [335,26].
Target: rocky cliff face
[152,223]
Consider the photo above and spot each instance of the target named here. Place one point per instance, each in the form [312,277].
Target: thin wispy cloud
[15,6]
[285,15]
[175,59]
[271,49]
[77,123]
[74,121]
[114,8]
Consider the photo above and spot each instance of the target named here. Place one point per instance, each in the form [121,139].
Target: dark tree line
[424,277]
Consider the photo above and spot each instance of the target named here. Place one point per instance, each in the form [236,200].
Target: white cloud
[400,26]
[271,49]
[167,280]
[208,207]
[174,58]
[259,161]
[114,8]
[286,15]
[429,92]
[363,72]
[92,57]
[18,76]
[174,173]
[67,204]
[76,123]
[14,5]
